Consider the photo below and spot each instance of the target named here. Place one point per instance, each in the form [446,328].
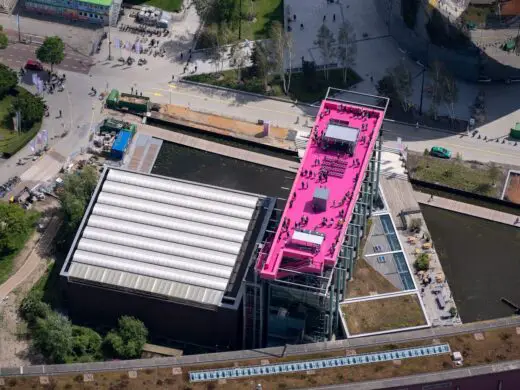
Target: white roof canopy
[341,133]
[306,238]
[163,237]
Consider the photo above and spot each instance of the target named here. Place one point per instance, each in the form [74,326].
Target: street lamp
[109,30]
[423,73]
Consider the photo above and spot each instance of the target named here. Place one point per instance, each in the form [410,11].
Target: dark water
[481,260]
[209,168]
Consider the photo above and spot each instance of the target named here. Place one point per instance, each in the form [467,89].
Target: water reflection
[481,260]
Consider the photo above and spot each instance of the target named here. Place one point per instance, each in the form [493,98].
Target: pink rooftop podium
[327,187]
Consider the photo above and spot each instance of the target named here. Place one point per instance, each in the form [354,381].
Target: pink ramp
[320,204]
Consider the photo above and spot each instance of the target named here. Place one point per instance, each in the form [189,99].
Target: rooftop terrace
[326,188]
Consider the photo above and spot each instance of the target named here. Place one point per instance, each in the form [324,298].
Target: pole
[423,72]
[18,24]
[240,21]
[109,34]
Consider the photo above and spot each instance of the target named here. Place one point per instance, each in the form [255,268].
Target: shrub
[416,224]
[453,311]
[422,263]
[128,339]
[32,308]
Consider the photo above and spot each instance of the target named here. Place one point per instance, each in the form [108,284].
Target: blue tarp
[120,144]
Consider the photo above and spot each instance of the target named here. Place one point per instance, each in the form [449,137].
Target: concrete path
[468,209]
[41,247]
[224,150]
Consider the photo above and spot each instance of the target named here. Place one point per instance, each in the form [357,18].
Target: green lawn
[298,89]
[166,5]
[256,20]
[10,142]
[462,175]
[266,11]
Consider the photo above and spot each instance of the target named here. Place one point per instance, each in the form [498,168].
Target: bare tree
[347,48]
[402,81]
[435,87]
[218,53]
[238,57]
[450,93]
[281,45]
[326,43]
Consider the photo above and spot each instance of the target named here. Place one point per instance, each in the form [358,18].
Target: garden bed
[383,314]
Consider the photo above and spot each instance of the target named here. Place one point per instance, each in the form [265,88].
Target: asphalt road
[17,54]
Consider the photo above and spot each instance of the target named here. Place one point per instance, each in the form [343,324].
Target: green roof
[105,3]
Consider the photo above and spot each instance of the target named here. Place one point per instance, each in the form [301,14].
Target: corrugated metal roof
[163,237]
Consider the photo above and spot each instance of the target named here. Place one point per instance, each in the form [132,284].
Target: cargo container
[121,144]
[515,131]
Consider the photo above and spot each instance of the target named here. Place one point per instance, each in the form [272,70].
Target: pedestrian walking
[324,18]
[301,26]
[334,17]
[196,68]
[173,77]
[60,114]
[182,55]
[132,90]
[431,199]
[294,17]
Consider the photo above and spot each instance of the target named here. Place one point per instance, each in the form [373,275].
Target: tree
[347,48]
[128,339]
[86,344]
[238,57]
[16,224]
[75,195]
[436,87]
[327,45]
[53,337]
[422,263]
[494,173]
[8,80]
[402,83]
[4,40]
[281,47]
[450,93]
[32,307]
[227,12]
[260,63]
[51,51]
[30,106]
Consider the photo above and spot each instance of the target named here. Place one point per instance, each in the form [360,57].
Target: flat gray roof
[161,236]
[341,133]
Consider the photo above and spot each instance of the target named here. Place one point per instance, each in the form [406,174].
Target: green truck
[110,125]
[128,102]
[515,131]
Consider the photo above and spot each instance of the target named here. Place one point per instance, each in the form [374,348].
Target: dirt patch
[513,188]
[15,349]
[367,281]
[383,314]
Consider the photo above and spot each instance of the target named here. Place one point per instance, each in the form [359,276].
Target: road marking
[460,146]
[154,93]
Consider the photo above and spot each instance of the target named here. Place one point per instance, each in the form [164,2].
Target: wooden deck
[223,150]
[468,209]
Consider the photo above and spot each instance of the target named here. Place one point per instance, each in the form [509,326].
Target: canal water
[200,166]
[481,260]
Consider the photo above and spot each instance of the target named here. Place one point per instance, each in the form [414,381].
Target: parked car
[438,151]
[33,65]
